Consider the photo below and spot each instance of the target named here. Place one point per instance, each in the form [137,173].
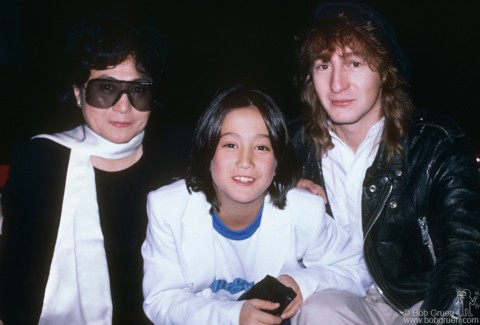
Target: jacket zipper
[382,294]
[378,211]
[426,240]
[377,215]
[456,306]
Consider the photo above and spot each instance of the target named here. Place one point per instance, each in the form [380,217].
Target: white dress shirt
[344,172]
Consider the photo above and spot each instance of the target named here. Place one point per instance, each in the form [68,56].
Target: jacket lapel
[197,241]
[274,240]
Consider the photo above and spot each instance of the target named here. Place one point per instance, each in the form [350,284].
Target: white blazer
[179,262]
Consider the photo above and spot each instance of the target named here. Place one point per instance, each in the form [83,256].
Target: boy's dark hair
[207,135]
[107,40]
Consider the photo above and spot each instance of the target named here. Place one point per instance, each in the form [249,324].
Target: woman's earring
[79,103]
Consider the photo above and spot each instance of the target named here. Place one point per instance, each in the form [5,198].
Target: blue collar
[241,234]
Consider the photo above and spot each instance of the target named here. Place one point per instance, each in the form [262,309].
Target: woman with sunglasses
[74,203]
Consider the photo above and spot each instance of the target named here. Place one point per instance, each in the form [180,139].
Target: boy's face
[349,90]
[243,165]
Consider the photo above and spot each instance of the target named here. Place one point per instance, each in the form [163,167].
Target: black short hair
[106,40]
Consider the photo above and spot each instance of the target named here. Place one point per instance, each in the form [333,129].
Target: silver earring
[79,103]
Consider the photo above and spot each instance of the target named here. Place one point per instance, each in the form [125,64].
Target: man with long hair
[403,182]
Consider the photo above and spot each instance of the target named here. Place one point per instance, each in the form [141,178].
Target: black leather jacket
[421,219]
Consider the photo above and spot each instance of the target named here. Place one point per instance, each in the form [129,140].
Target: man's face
[349,90]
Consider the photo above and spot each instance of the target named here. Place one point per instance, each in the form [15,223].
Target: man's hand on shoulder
[312,188]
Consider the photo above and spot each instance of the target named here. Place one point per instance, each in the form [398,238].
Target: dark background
[216,43]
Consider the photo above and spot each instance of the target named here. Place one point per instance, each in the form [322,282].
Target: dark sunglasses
[104,93]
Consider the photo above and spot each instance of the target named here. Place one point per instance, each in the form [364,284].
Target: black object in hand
[269,288]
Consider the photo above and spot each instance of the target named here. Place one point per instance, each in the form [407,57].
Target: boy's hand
[296,303]
[251,313]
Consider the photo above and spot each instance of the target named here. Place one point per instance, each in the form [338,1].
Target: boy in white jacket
[236,219]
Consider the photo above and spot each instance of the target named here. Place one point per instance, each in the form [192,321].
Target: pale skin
[242,169]
[119,123]
[350,92]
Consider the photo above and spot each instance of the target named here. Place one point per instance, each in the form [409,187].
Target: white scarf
[78,286]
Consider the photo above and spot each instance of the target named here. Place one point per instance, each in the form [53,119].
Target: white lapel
[197,241]
[274,241]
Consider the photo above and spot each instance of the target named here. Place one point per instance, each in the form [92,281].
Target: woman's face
[243,165]
[122,121]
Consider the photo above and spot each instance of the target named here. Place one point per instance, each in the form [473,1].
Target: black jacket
[421,218]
